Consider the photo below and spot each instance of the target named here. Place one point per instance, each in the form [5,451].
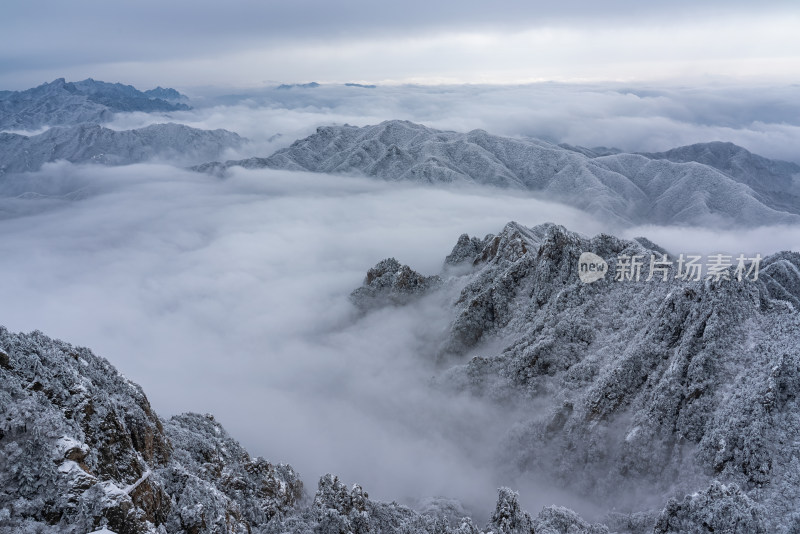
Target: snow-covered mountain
[638,389]
[671,403]
[70,103]
[81,450]
[721,184]
[96,144]
[774,180]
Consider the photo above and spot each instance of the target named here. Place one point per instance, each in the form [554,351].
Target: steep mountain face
[638,389]
[390,282]
[622,187]
[69,103]
[81,448]
[91,143]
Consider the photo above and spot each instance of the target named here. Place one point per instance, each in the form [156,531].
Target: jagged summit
[168,94]
[624,188]
[391,282]
[677,385]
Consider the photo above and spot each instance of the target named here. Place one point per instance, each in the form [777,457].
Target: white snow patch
[65,444]
[69,467]
[136,484]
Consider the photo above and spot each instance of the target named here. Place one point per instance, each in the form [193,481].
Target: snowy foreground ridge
[675,401]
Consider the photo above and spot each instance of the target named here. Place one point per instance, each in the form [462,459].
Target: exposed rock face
[685,186]
[72,424]
[248,491]
[81,448]
[664,383]
[466,249]
[389,282]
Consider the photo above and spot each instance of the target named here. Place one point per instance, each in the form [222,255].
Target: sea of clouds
[632,118]
[229,296]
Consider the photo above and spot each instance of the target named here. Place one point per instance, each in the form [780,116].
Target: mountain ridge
[639,389]
[60,103]
[623,188]
[92,143]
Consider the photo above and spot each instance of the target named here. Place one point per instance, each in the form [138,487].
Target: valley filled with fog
[327,267]
[230,294]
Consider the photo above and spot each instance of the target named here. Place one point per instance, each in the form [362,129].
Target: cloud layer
[765,120]
[230,297]
[192,43]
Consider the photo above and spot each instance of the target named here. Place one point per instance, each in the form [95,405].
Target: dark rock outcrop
[390,282]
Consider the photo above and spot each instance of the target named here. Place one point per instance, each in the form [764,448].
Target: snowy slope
[638,390]
[778,182]
[82,449]
[89,101]
[626,188]
[95,144]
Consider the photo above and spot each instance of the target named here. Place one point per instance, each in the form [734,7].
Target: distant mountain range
[89,101]
[698,184]
[707,184]
[93,143]
[309,85]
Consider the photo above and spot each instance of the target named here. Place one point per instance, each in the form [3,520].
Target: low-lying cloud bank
[629,117]
[230,296]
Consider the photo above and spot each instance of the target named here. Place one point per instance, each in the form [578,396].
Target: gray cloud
[184,42]
[230,297]
[765,120]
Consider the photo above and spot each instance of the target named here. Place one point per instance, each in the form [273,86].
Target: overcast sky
[186,43]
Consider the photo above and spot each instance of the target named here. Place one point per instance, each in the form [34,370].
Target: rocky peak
[81,449]
[390,282]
